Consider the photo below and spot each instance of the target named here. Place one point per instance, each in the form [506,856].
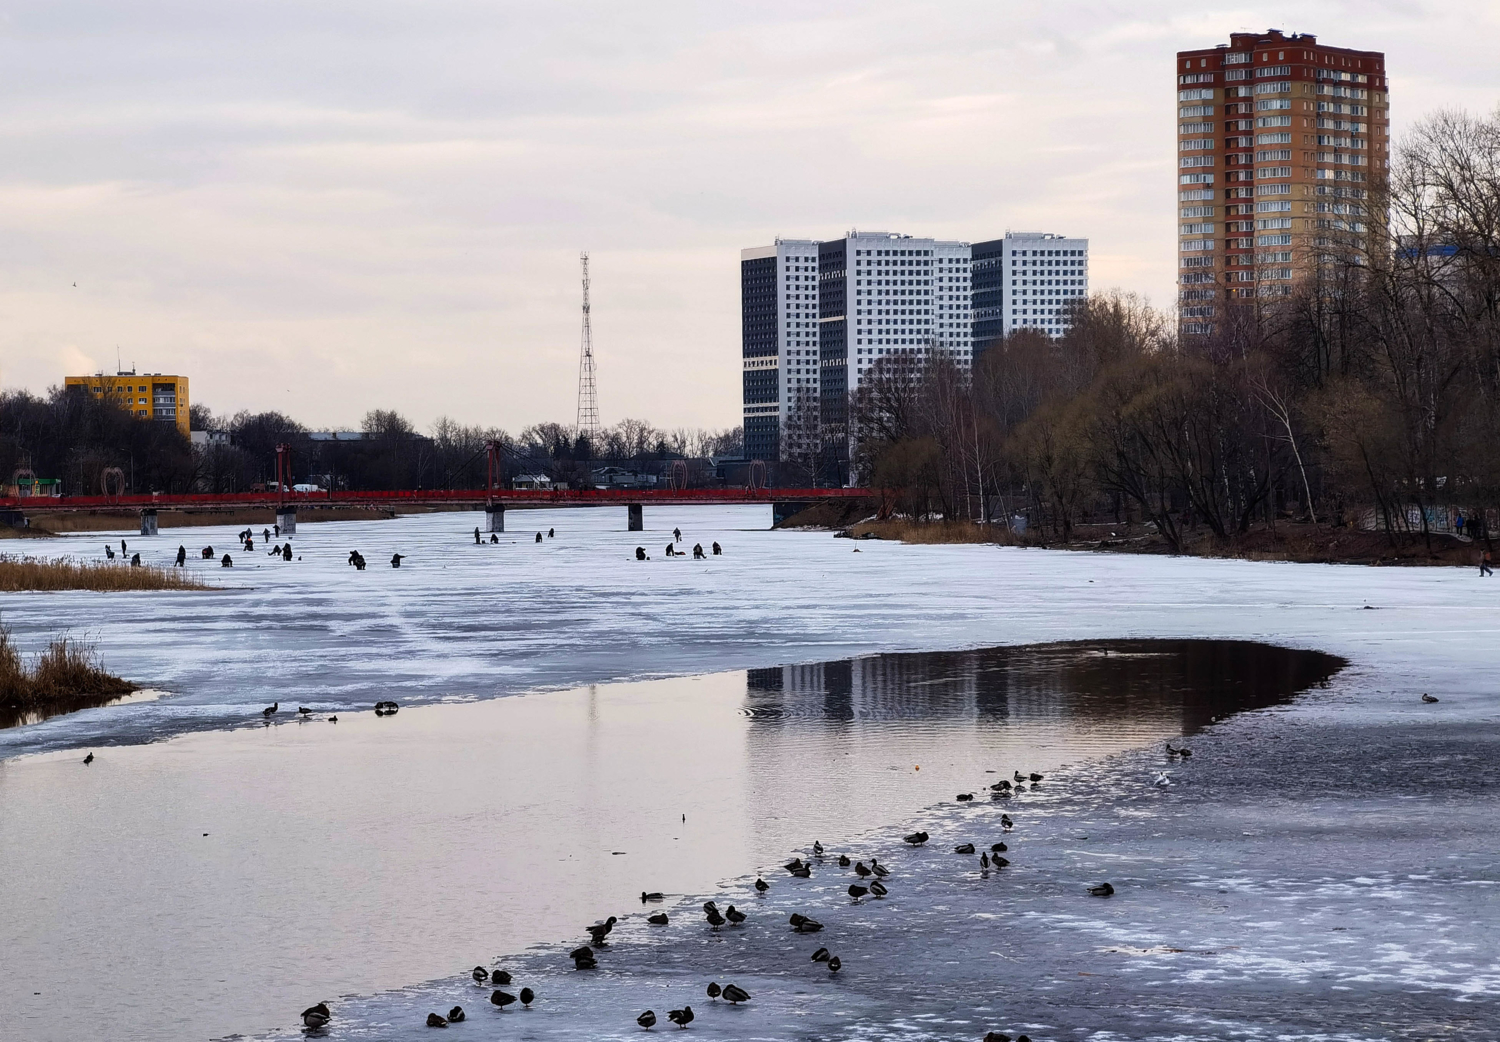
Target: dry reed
[65,677]
[18,574]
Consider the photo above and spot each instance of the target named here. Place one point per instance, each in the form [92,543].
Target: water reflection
[1188,682]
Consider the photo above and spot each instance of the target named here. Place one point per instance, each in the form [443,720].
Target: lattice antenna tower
[588,393]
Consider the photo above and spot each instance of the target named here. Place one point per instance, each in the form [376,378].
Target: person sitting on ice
[207,553]
[539,537]
[109,551]
[718,549]
[396,560]
[135,560]
[227,562]
[640,554]
[286,552]
[698,551]
[671,552]
[494,538]
[275,551]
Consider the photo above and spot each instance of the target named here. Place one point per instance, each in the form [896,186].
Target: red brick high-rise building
[1280,141]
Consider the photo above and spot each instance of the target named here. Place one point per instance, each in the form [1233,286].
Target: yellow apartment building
[152,396]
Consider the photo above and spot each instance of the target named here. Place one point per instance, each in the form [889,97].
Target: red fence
[433,497]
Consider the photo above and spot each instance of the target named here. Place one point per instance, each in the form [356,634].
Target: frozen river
[1238,881]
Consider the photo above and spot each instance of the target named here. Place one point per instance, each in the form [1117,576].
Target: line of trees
[1372,386]
[76,437]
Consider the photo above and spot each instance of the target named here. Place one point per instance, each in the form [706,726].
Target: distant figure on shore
[286,552]
[135,560]
[718,549]
[539,537]
[1484,564]
[396,560]
[227,562]
[207,553]
[109,551]
[477,540]
[181,556]
[698,551]
[494,537]
[640,554]
[550,533]
[676,535]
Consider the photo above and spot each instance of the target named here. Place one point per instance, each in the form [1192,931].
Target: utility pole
[588,394]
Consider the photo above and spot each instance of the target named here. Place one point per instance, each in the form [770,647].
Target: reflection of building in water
[1188,683]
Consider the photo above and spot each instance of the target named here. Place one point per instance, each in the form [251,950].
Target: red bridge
[784,501]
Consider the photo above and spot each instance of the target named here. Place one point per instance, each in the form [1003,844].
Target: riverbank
[64,678]
[1289,541]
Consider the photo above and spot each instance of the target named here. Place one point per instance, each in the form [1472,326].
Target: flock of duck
[870,881]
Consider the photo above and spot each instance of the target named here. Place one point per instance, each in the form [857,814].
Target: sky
[326,208]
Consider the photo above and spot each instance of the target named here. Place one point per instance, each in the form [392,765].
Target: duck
[1102,890]
[1429,698]
[527,997]
[709,906]
[964,797]
[1000,786]
[1000,862]
[1035,777]
[1006,823]
[333,719]
[821,955]
[647,1019]
[797,919]
[817,849]
[856,891]
[659,919]
[984,862]
[879,869]
[316,1016]
[436,1020]
[964,848]
[1018,776]
[88,759]
[916,839]
[652,896]
[878,888]
[501,998]
[809,925]
[734,994]
[480,974]
[456,1015]
[761,885]
[715,919]
[996,1036]
[271,710]
[861,871]
[794,866]
[844,861]
[834,965]
[734,915]
[713,990]
[599,931]
[1162,780]
[805,872]
[303,711]
[681,1017]
[1185,752]
[583,958]
[501,977]
[998,848]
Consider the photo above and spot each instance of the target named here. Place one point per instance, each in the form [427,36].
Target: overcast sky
[328,208]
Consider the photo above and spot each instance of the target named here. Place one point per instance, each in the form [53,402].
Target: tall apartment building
[817,316]
[146,395]
[1279,141]
[1027,280]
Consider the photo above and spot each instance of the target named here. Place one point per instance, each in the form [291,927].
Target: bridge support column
[286,517]
[634,518]
[148,521]
[494,518]
[782,510]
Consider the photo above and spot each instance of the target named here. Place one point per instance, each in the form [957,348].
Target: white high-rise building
[818,316]
[1027,280]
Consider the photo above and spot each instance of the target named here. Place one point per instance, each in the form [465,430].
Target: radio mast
[588,394]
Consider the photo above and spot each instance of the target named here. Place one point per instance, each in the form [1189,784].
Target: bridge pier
[494,518]
[634,518]
[148,521]
[286,517]
[783,509]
